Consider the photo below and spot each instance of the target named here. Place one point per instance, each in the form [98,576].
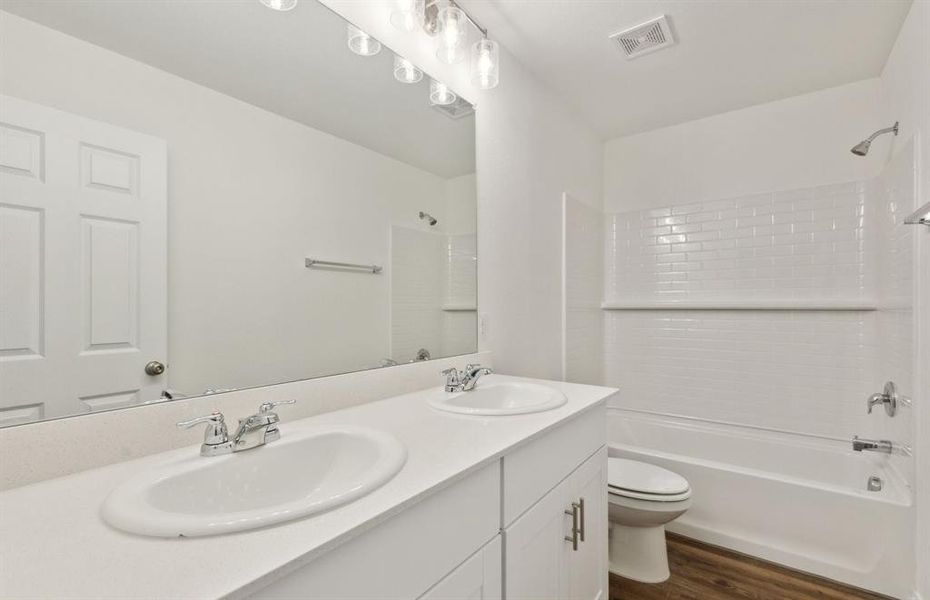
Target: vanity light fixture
[485,64]
[448,23]
[361,43]
[282,5]
[406,16]
[453,33]
[440,94]
[405,71]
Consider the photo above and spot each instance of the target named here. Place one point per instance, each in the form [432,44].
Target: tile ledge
[749,304]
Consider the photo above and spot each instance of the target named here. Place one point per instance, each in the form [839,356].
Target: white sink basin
[303,473]
[498,398]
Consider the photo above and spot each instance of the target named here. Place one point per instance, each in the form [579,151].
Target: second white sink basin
[497,398]
[303,473]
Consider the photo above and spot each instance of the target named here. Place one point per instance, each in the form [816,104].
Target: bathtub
[795,500]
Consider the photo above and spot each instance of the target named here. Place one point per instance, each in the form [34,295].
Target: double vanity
[408,497]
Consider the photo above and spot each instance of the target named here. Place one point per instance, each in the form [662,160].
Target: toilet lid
[635,476]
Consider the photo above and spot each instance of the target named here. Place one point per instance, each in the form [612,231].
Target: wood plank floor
[702,572]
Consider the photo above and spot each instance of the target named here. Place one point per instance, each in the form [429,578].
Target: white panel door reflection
[82,263]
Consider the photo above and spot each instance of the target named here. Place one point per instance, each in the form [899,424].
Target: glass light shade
[428,13]
[279,4]
[439,93]
[485,64]
[404,17]
[453,33]
[361,43]
[405,71]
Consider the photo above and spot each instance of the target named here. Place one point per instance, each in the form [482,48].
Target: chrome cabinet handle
[581,510]
[575,529]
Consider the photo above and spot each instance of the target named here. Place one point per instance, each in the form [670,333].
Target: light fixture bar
[483,30]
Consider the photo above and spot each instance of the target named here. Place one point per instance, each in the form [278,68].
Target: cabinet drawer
[532,470]
[404,556]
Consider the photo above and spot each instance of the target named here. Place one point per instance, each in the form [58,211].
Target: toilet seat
[643,481]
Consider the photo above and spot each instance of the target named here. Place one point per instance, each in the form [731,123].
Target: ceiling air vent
[645,38]
[458,109]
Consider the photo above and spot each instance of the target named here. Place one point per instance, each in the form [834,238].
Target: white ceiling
[295,64]
[730,53]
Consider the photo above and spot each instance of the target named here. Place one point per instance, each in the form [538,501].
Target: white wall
[906,89]
[250,195]
[583,319]
[799,142]
[461,194]
[531,149]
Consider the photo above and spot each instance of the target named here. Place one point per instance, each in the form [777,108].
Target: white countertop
[54,544]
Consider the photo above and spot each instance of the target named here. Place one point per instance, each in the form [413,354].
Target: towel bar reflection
[313,262]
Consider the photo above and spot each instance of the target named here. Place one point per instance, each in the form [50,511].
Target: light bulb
[361,43]
[404,18]
[453,33]
[439,93]
[405,71]
[485,64]
[281,5]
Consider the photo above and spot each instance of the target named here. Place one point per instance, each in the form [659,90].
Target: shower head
[428,218]
[862,148]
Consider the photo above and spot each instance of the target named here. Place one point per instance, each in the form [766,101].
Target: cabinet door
[478,578]
[588,569]
[540,562]
[536,550]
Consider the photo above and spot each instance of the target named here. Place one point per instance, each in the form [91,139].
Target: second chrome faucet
[253,431]
[464,381]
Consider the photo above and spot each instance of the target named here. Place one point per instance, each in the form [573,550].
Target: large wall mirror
[175,178]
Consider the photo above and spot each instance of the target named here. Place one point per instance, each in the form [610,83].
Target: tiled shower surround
[837,251]
[799,244]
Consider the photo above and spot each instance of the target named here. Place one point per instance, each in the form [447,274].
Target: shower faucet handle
[888,397]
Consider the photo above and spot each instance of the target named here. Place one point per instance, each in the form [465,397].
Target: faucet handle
[215,437]
[888,397]
[216,418]
[453,379]
[266,407]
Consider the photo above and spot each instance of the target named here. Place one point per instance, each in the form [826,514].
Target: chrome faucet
[466,380]
[253,431]
[883,446]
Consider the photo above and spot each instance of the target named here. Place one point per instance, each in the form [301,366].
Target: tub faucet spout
[883,446]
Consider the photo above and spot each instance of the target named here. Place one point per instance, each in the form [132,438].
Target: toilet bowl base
[639,553]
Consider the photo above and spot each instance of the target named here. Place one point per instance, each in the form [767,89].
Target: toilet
[642,498]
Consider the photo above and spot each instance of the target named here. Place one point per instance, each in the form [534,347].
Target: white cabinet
[449,546]
[406,555]
[478,578]
[541,559]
